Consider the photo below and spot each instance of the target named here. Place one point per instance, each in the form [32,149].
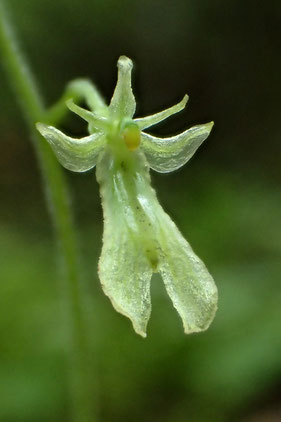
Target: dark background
[226,201]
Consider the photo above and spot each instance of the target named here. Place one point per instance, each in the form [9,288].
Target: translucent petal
[123,103]
[187,280]
[96,122]
[169,154]
[145,122]
[74,154]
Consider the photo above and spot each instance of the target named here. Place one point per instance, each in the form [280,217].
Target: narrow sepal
[96,122]
[154,119]
[169,154]
[74,154]
[85,89]
[123,103]
[187,280]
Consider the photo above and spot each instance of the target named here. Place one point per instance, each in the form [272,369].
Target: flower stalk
[57,194]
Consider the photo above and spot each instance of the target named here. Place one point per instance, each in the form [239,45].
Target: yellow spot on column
[131,135]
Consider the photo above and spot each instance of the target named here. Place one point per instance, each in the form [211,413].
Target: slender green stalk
[57,195]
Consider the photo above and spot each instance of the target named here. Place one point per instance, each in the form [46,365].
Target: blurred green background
[226,201]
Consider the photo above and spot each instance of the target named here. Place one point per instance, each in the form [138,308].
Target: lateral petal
[154,119]
[168,154]
[74,154]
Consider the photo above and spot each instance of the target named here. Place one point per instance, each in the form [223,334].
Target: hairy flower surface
[139,237]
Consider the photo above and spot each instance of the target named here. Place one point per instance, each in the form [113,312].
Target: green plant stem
[58,201]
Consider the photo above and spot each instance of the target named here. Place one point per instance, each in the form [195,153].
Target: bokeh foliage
[226,201]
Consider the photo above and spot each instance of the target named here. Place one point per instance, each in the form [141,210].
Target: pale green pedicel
[139,237]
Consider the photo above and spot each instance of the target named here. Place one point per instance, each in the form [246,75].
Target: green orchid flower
[139,237]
